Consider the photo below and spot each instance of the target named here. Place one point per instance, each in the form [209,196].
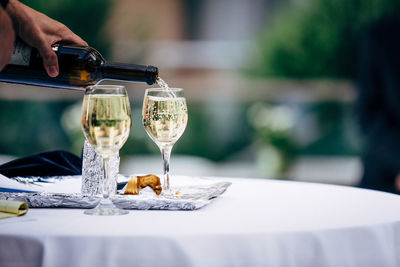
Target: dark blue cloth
[53,163]
[10,190]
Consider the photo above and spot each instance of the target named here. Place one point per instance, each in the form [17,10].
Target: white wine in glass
[164,118]
[106,122]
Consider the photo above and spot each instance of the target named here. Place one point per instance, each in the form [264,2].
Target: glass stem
[166,153]
[107,182]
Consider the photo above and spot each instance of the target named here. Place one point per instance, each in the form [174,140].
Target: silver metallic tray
[194,193]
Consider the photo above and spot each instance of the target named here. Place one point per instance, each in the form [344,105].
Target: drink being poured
[165,86]
[162,83]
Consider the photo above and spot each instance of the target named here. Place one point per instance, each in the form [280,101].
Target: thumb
[50,60]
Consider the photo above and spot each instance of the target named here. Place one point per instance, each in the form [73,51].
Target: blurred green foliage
[315,129]
[337,131]
[29,127]
[274,127]
[36,126]
[318,38]
[86,18]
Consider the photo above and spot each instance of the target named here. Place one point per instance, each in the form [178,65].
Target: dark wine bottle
[80,66]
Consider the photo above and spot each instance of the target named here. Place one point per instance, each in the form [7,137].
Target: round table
[256,222]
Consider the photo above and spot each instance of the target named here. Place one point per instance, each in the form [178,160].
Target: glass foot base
[168,193]
[106,208]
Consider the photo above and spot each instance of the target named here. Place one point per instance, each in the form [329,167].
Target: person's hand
[7,37]
[41,32]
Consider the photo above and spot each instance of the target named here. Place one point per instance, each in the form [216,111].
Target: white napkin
[70,184]
[10,185]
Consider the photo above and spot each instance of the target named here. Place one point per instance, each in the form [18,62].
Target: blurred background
[270,84]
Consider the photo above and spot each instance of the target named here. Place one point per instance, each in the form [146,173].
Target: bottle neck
[129,72]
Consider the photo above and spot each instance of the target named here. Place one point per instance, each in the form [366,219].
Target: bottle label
[21,54]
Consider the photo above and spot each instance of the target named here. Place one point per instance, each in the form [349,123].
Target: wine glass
[164,119]
[106,122]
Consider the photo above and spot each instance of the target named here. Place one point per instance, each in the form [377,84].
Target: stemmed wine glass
[164,119]
[106,122]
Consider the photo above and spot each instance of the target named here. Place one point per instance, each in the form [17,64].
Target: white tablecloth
[255,223]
